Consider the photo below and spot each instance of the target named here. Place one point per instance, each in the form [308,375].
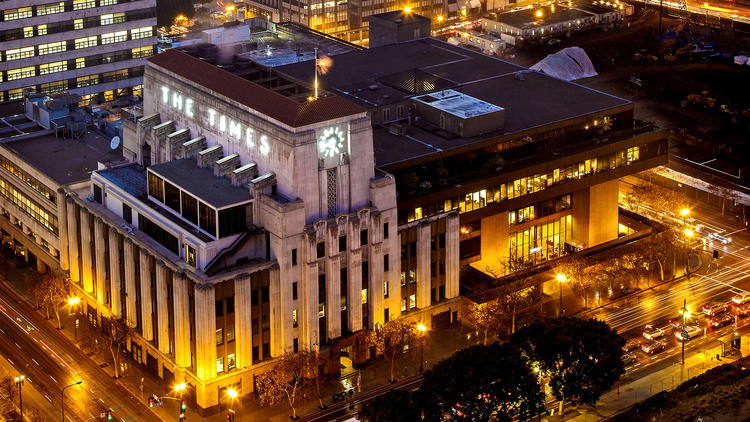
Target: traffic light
[150,402]
[230,416]
[183,406]
[109,414]
[716,254]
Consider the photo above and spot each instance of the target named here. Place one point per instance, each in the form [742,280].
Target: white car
[652,333]
[690,332]
[719,238]
[741,299]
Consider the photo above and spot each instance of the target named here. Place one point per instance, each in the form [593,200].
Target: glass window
[230,333]
[41,29]
[19,53]
[220,365]
[83,4]
[385,288]
[412,301]
[156,187]
[53,67]
[28,32]
[78,24]
[295,321]
[190,255]
[49,9]
[207,218]
[81,63]
[113,37]
[141,33]
[231,361]
[86,42]
[219,336]
[53,47]
[172,196]
[20,13]
[189,208]
[142,52]
[24,72]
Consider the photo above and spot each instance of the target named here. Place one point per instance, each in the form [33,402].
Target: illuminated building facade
[85,47]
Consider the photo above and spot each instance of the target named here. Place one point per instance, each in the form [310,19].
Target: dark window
[219,308]
[230,305]
[256,357]
[385,230]
[264,294]
[321,249]
[127,213]
[296,345]
[365,274]
[342,243]
[97,193]
[385,262]
[207,219]
[256,327]
[294,290]
[294,257]
[172,196]
[363,237]
[189,208]
[265,322]
[441,292]
[232,221]
[157,233]
[386,314]
[156,187]
[470,247]
[266,350]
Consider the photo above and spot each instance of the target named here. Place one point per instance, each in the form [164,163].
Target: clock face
[331,142]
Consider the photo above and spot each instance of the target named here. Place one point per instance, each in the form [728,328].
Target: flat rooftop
[528,18]
[217,192]
[458,104]
[64,160]
[399,17]
[396,73]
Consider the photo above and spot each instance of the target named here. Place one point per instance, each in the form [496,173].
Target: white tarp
[740,60]
[569,64]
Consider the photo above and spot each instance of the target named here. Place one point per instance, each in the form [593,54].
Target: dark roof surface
[66,160]
[399,16]
[527,18]
[215,191]
[277,106]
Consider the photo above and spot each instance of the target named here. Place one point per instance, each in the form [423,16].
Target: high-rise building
[85,47]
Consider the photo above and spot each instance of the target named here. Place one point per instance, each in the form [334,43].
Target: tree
[610,269]
[484,383]
[660,247]
[575,268]
[632,260]
[484,317]
[396,336]
[8,394]
[116,332]
[514,301]
[394,406]
[583,358]
[725,194]
[50,291]
[636,196]
[291,376]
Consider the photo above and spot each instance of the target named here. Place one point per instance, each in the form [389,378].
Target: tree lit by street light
[72,301]
[561,278]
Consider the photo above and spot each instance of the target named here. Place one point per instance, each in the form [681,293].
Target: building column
[279,314]
[114,273]
[62,223]
[87,264]
[72,241]
[375,289]
[181,310]
[333,296]
[205,332]
[147,324]
[309,311]
[424,276]
[162,308]
[451,256]
[243,329]
[101,265]
[354,295]
[130,291]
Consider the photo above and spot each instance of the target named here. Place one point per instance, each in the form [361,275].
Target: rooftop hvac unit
[396,129]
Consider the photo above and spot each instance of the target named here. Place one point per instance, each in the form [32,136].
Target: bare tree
[725,194]
[52,290]
[632,260]
[8,395]
[394,338]
[636,196]
[575,268]
[484,317]
[515,301]
[291,376]
[116,333]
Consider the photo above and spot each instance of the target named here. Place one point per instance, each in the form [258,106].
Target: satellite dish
[114,143]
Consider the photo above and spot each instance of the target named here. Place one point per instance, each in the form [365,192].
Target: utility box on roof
[458,113]
[397,26]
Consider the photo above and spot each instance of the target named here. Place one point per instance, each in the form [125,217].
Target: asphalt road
[49,362]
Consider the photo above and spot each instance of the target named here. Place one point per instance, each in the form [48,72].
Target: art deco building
[84,47]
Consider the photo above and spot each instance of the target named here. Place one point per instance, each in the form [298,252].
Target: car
[713,308]
[719,238]
[690,332]
[741,299]
[629,358]
[742,311]
[554,41]
[721,320]
[653,347]
[631,344]
[651,332]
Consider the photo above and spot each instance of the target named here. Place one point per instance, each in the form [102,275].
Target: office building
[84,47]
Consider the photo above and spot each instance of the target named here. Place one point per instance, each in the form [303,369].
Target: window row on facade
[75,24]
[56,7]
[58,87]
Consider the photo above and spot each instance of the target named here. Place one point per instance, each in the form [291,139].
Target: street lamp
[232,393]
[62,400]
[73,302]
[19,383]
[422,330]
[561,279]
[407,9]
[685,315]
[684,212]
[688,235]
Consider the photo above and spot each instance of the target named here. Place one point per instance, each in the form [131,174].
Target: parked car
[690,332]
[741,299]
[631,344]
[714,308]
[721,320]
[629,358]
[653,347]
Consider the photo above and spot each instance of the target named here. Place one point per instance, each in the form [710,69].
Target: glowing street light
[561,279]
[407,9]
[232,393]
[440,18]
[19,383]
[72,301]
[423,330]
[685,315]
[689,233]
[538,13]
[684,212]
[179,387]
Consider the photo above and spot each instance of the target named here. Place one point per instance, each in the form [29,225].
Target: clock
[331,142]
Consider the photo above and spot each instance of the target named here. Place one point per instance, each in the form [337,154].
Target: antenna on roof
[316,73]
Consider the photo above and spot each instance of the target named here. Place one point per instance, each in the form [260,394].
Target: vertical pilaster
[243,330]
[309,311]
[87,279]
[375,292]
[354,296]
[205,332]
[147,325]
[75,274]
[333,296]
[279,314]
[451,256]
[424,279]
[130,292]
[114,272]
[181,320]
[63,229]
[100,239]
[162,308]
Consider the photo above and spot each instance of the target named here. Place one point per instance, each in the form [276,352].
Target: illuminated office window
[53,67]
[28,32]
[24,72]
[80,63]
[53,47]
[83,4]
[19,53]
[20,13]
[142,52]
[78,24]
[41,29]
[86,42]
[138,33]
[49,9]
[113,37]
